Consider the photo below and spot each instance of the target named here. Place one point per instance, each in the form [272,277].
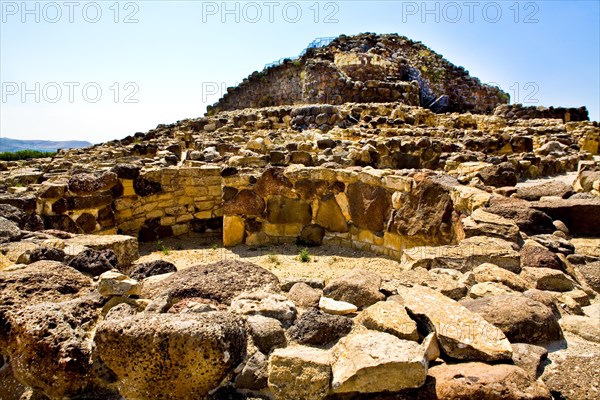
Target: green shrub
[25,154]
[304,255]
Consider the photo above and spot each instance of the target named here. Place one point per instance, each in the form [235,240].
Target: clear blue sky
[177,53]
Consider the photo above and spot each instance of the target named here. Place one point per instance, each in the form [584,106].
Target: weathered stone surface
[483,223]
[311,235]
[263,303]
[50,345]
[88,184]
[254,376]
[591,274]
[245,202]
[171,356]
[146,187]
[273,182]
[151,268]
[219,282]
[283,210]
[426,212]
[389,317]
[449,282]
[369,206]
[94,262]
[492,273]
[547,279]
[465,256]
[503,174]
[554,243]
[539,257]
[331,306]
[288,282]
[529,357]
[359,287]
[46,253]
[475,380]
[581,216]
[572,376]
[304,296]
[461,333]
[552,188]
[521,319]
[233,230]
[586,327]
[330,216]
[9,231]
[299,372]
[317,328]
[372,361]
[125,247]
[112,283]
[485,289]
[528,219]
[267,333]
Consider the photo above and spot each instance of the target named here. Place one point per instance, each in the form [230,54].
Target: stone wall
[151,204]
[365,68]
[379,211]
[518,111]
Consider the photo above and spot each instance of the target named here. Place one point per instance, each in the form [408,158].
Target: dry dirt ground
[283,260]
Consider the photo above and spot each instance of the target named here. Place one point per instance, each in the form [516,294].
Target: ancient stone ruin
[450,244]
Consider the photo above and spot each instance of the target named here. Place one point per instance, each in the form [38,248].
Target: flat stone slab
[462,334]
[125,247]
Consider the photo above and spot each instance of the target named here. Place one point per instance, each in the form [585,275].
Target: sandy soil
[325,262]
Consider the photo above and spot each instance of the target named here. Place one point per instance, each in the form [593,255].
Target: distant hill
[11,145]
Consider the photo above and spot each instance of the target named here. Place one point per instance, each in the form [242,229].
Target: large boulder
[50,345]
[462,334]
[465,256]
[547,279]
[475,380]
[483,223]
[539,257]
[591,274]
[283,210]
[42,281]
[94,262]
[389,317]
[370,206]
[219,282]
[582,216]
[425,212]
[492,273]
[521,319]
[125,247]
[260,302]
[535,192]
[9,231]
[299,372]
[528,219]
[503,174]
[267,333]
[315,327]
[175,356]
[151,268]
[245,202]
[359,287]
[372,361]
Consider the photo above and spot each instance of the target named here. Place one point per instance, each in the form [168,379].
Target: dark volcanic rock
[219,282]
[50,345]
[503,174]
[426,213]
[46,253]
[318,328]
[151,268]
[245,202]
[9,231]
[145,187]
[94,262]
[539,257]
[528,219]
[522,320]
[370,206]
[126,171]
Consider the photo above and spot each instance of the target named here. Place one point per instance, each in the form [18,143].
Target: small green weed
[304,255]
